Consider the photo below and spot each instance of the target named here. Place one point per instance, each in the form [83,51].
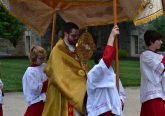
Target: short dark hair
[97,55]
[69,26]
[152,36]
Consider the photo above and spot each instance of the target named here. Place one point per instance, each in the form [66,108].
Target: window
[27,42]
[134,45]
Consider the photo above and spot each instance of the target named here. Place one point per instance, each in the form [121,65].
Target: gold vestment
[67,84]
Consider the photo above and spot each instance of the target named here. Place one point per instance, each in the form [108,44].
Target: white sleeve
[35,86]
[1,96]
[155,67]
[100,76]
[1,84]
[122,92]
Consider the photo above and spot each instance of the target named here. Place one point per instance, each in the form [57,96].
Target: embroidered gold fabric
[85,48]
[67,83]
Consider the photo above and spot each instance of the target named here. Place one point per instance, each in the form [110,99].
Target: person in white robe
[152,65]
[35,82]
[103,97]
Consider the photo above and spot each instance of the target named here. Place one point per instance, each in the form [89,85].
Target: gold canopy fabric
[38,13]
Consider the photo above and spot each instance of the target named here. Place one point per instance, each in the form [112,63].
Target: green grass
[129,73]
[12,70]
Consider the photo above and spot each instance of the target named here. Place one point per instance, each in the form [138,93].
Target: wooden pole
[53,30]
[163,3]
[116,45]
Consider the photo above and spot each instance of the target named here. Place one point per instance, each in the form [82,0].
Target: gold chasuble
[67,82]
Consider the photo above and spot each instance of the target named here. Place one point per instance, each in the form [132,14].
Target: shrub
[122,53]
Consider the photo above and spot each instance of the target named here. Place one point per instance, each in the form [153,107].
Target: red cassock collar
[153,51]
[35,65]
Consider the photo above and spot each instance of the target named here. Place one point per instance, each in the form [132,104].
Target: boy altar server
[152,72]
[103,97]
[35,82]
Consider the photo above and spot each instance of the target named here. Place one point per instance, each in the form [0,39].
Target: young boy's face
[40,59]
[157,44]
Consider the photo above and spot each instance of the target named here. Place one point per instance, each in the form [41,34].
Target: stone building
[23,46]
[130,40]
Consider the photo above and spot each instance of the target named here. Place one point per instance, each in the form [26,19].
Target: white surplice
[32,84]
[1,95]
[102,92]
[152,76]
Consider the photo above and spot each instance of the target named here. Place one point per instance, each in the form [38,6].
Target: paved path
[14,103]
[132,106]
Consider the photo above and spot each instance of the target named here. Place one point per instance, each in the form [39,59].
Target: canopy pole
[163,2]
[53,30]
[116,45]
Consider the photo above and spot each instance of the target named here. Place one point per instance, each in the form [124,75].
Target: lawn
[129,73]
[12,70]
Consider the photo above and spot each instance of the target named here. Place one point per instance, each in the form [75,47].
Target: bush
[122,53]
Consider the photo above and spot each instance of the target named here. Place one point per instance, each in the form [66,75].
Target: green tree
[59,23]
[159,26]
[10,27]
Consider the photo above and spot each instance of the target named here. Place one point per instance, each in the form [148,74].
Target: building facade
[23,46]
[130,40]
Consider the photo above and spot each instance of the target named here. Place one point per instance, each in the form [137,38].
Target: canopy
[38,13]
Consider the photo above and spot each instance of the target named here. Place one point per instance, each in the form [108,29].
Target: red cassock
[1,110]
[35,109]
[107,114]
[154,107]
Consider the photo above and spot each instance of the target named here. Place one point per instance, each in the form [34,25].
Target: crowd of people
[63,88]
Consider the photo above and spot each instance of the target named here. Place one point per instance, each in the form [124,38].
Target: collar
[34,65]
[153,51]
[71,47]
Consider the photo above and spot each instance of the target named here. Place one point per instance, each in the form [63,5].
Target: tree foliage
[159,26]
[59,22]
[10,27]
